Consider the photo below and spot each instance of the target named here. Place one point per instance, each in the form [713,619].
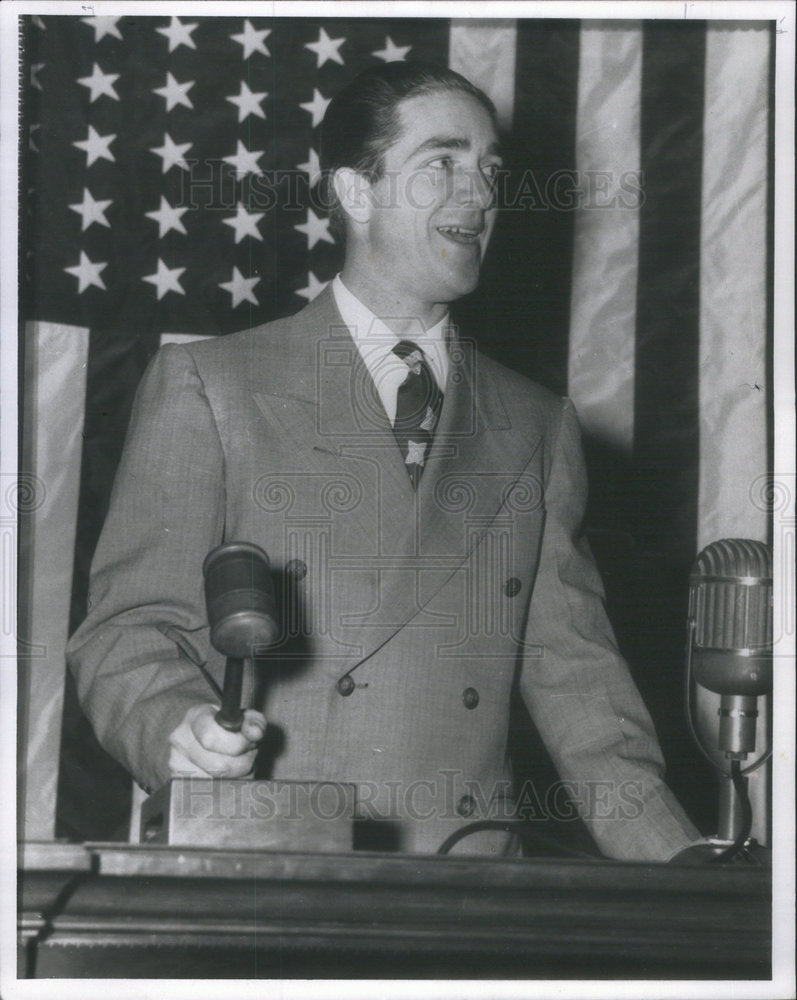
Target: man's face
[433,208]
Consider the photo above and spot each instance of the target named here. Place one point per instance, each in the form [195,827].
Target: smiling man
[421,508]
[417,230]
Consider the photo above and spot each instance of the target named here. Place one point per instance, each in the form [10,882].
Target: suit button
[512,586]
[466,805]
[470,697]
[297,569]
[345,686]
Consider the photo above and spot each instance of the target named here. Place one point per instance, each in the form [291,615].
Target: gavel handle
[230,716]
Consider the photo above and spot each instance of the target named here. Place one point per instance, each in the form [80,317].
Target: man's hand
[201,748]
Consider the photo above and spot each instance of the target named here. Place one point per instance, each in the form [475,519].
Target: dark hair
[362,120]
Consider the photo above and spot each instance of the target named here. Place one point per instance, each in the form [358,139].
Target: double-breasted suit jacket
[406,616]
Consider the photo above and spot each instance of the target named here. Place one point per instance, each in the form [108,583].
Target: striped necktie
[418,404]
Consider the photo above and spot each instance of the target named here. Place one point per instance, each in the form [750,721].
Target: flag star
[312,167]
[244,160]
[392,52]
[326,48]
[166,279]
[415,453]
[31,138]
[99,83]
[317,107]
[96,146]
[168,218]
[312,288]
[35,69]
[91,211]
[240,288]
[173,153]
[245,223]
[175,93]
[38,22]
[252,41]
[248,103]
[87,273]
[178,34]
[315,229]
[102,26]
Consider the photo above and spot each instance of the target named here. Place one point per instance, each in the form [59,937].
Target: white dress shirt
[375,342]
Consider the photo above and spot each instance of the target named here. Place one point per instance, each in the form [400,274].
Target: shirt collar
[365,325]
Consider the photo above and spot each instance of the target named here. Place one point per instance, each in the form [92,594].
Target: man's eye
[441,163]
[491,170]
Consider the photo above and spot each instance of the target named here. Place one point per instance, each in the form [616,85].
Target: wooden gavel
[239,595]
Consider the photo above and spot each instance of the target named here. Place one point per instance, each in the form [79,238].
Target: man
[420,505]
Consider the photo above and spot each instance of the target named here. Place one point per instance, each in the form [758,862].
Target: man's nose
[473,188]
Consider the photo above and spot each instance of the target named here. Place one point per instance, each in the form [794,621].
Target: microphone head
[239,595]
[730,606]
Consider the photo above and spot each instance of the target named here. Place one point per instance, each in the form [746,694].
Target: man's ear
[353,193]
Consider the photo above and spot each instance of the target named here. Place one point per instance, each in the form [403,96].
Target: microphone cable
[521,830]
[730,852]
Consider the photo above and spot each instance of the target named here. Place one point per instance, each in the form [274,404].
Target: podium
[130,911]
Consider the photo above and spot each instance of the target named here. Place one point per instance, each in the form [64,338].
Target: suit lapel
[317,394]
[323,401]
[474,463]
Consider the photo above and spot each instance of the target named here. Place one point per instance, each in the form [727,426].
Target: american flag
[168,181]
[173,160]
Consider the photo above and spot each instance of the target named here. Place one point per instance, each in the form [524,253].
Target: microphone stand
[735,818]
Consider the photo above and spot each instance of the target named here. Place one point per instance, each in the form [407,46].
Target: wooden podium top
[117,910]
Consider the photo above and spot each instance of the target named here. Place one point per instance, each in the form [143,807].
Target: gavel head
[239,595]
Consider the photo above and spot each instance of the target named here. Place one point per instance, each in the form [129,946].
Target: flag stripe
[666,445]
[733,271]
[734,377]
[603,302]
[546,101]
[770,242]
[527,278]
[484,53]
[528,270]
[55,373]
[520,313]
[659,507]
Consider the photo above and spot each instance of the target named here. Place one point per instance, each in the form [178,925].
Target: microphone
[729,652]
[239,596]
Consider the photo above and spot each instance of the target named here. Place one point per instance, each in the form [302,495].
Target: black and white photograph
[398,499]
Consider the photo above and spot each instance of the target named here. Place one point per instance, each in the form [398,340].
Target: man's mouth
[460,234]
